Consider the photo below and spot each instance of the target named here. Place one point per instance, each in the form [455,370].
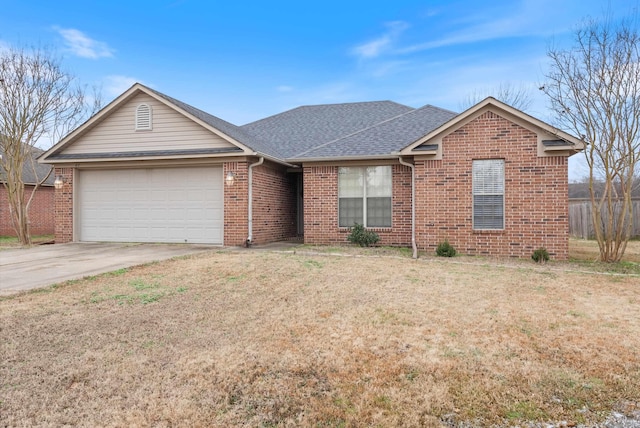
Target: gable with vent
[144,117]
[119,132]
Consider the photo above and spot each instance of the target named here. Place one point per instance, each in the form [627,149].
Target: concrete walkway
[26,269]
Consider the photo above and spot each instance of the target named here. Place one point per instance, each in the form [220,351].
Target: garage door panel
[151,205]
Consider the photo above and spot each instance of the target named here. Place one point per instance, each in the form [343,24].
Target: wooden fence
[581,225]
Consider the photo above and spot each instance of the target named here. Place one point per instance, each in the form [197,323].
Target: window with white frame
[143,117]
[488,194]
[364,196]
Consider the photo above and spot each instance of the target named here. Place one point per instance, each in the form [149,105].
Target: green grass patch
[140,284]
[118,272]
[131,298]
[142,291]
[35,238]
[312,264]
[8,240]
[150,297]
[525,410]
[12,241]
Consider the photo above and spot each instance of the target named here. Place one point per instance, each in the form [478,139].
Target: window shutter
[143,117]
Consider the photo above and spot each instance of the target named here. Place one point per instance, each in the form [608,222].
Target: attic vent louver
[143,117]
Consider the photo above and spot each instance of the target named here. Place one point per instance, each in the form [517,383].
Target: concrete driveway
[25,269]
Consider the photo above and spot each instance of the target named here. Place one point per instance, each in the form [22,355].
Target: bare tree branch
[595,89]
[516,96]
[38,100]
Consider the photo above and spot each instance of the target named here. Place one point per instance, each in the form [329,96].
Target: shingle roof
[299,130]
[233,131]
[385,137]
[330,130]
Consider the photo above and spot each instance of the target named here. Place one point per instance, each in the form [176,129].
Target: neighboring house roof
[301,129]
[29,175]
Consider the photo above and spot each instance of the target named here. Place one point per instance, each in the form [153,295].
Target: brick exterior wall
[536,193]
[63,206]
[274,204]
[236,208]
[41,216]
[321,207]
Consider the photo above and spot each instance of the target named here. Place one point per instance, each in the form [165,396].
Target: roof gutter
[413,205]
[342,158]
[275,160]
[250,201]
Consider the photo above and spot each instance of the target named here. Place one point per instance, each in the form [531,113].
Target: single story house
[41,215]
[491,180]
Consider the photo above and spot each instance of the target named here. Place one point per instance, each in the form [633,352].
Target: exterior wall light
[230,178]
[59,182]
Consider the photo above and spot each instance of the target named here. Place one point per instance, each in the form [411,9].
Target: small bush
[361,236]
[540,255]
[444,249]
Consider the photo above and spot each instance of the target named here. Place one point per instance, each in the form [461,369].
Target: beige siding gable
[170,131]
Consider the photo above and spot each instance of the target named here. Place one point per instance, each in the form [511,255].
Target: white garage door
[150,205]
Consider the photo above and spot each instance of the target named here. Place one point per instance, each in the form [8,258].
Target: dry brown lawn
[583,249]
[253,338]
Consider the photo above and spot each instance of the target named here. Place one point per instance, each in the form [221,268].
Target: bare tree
[594,87]
[38,101]
[516,96]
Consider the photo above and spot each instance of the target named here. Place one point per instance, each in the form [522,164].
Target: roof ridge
[352,102]
[322,105]
[439,108]
[269,117]
[354,133]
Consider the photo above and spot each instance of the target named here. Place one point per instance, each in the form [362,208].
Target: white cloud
[383,43]
[284,88]
[115,85]
[522,20]
[82,45]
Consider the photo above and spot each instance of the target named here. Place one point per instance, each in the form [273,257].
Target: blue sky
[242,61]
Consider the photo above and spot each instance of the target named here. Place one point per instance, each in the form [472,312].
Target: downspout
[413,206]
[250,201]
